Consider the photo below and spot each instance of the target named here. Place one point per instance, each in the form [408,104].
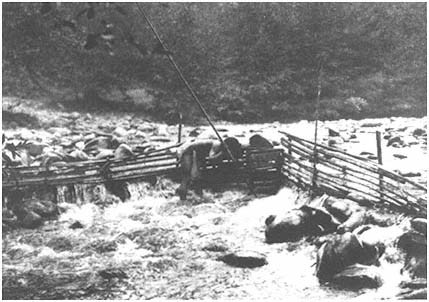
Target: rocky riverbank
[155,246]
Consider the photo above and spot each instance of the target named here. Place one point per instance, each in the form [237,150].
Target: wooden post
[179,134]
[380,162]
[379,155]
[290,156]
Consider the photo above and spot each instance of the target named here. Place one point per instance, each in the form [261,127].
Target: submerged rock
[44,208]
[420,225]
[342,251]
[291,227]
[31,221]
[76,225]
[358,276]
[414,245]
[244,259]
[355,220]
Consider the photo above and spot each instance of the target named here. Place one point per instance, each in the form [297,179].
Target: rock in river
[31,221]
[244,259]
[335,255]
[358,276]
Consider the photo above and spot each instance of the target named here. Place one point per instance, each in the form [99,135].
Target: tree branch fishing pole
[182,77]
[316,117]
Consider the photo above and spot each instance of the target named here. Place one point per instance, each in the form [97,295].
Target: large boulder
[123,151]
[420,225]
[355,220]
[342,251]
[358,276]
[414,245]
[297,223]
[31,220]
[260,142]
[35,148]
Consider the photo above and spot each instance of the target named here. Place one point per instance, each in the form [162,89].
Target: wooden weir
[338,173]
[259,168]
[344,174]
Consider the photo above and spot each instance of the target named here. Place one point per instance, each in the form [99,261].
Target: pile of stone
[414,245]
[34,153]
[350,241]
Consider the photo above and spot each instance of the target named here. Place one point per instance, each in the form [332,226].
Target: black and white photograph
[214,151]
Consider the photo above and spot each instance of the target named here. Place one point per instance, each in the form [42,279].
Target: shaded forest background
[248,62]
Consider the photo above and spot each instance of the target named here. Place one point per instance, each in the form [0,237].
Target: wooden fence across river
[314,167]
[337,172]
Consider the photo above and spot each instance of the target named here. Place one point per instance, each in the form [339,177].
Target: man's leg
[196,174]
[185,167]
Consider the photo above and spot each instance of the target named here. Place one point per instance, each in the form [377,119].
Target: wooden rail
[341,173]
[157,162]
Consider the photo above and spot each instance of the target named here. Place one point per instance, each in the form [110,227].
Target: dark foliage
[247,61]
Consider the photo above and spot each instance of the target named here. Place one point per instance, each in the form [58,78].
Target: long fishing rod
[316,126]
[182,77]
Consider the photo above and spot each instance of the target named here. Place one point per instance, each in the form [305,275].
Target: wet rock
[332,132]
[31,221]
[103,246]
[291,227]
[342,251]
[396,139]
[76,225]
[335,141]
[75,115]
[412,242]
[342,209]
[101,142]
[420,225]
[119,189]
[123,151]
[244,259]
[35,148]
[414,284]
[358,276]
[215,247]
[358,198]
[52,157]
[60,244]
[297,223]
[145,127]
[120,132]
[419,132]
[258,141]
[414,245]
[356,219]
[104,153]
[370,125]
[78,155]
[60,131]
[111,273]
[43,208]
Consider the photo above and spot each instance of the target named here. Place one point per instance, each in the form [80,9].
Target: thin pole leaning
[182,77]
[316,125]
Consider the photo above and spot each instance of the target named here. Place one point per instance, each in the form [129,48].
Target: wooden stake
[380,162]
[179,134]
